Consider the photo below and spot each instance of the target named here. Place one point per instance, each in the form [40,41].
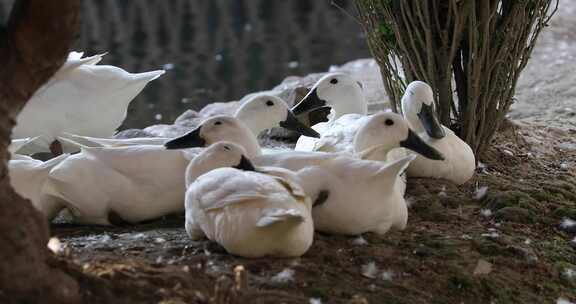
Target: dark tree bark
[33,45]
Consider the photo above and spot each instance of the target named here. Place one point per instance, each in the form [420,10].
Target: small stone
[370,270]
[482,267]
[423,251]
[55,245]
[357,299]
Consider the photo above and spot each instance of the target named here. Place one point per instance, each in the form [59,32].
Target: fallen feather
[284,276]
[359,241]
[388,275]
[480,193]
[486,212]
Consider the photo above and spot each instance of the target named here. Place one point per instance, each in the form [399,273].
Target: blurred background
[214,50]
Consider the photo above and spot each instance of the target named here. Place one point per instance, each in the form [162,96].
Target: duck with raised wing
[81,98]
[459,162]
[250,214]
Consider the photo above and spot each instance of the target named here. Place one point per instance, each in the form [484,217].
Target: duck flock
[345,176]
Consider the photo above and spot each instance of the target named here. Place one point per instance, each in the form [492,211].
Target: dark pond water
[215,50]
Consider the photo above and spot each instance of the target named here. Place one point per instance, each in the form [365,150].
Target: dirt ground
[504,237]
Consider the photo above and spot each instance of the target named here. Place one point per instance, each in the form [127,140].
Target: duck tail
[75,60]
[19,143]
[279,216]
[53,162]
[148,76]
[395,168]
[77,141]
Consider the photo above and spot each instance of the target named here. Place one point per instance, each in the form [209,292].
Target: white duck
[259,113]
[17,144]
[459,162]
[380,137]
[250,214]
[215,129]
[131,184]
[81,98]
[353,196]
[348,110]
[28,177]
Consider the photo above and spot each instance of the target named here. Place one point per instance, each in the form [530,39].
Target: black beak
[416,144]
[292,123]
[245,164]
[430,122]
[308,103]
[190,140]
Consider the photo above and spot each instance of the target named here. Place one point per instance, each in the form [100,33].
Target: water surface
[214,50]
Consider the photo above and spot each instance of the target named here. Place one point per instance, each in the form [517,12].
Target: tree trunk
[33,46]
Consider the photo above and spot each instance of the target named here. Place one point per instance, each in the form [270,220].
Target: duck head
[336,90]
[219,155]
[215,129]
[388,131]
[263,112]
[418,108]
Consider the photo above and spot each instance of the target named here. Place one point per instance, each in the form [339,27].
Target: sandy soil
[546,91]
[496,239]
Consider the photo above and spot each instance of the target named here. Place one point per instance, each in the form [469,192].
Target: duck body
[459,164]
[336,136]
[359,196]
[81,98]
[28,177]
[249,213]
[136,183]
[459,161]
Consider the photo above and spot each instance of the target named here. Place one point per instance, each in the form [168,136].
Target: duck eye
[334,81]
[217,123]
[389,122]
[269,103]
[226,148]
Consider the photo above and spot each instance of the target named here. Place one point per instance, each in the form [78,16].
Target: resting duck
[348,106]
[250,214]
[107,186]
[459,162]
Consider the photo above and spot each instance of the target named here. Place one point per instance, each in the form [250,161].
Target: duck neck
[350,102]
[410,113]
[377,152]
[256,124]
